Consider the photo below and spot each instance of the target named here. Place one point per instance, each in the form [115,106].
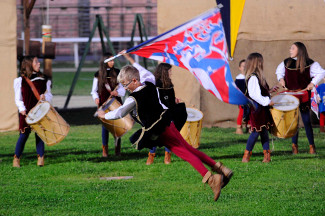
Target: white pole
[76,55]
[136,57]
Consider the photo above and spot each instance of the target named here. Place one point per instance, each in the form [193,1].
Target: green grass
[69,183]
[62,82]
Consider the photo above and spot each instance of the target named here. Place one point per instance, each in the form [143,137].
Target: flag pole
[112,58]
[207,13]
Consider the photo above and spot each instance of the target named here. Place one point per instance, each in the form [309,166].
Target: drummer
[163,81]
[25,100]
[260,116]
[145,106]
[299,72]
[104,86]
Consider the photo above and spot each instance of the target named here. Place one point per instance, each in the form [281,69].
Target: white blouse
[255,93]
[18,95]
[316,72]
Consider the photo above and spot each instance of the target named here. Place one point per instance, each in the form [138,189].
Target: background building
[75,18]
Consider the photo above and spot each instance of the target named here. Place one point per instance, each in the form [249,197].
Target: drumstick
[111,91]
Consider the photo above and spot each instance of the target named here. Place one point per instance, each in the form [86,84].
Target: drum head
[38,112]
[285,102]
[193,114]
[107,104]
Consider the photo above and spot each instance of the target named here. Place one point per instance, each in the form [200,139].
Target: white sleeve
[94,89]
[48,94]
[317,72]
[280,71]
[145,75]
[123,110]
[254,92]
[120,90]
[18,96]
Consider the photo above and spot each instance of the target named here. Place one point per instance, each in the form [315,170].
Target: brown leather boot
[167,159]
[321,129]
[249,128]
[247,156]
[16,162]
[312,149]
[105,151]
[239,129]
[215,182]
[40,161]
[223,170]
[151,157]
[267,156]
[294,148]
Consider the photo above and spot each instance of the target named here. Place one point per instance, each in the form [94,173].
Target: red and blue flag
[199,46]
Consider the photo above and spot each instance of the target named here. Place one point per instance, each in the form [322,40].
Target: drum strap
[32,86]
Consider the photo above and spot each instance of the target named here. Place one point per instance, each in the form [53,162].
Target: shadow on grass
[127,154]
[303,155]
[62,156]
[223,144]
[80,116]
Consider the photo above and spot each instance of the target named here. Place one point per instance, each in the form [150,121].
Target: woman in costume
[25,100]
[105,85]
[300,73]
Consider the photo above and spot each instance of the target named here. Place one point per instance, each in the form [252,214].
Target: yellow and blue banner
[231,14]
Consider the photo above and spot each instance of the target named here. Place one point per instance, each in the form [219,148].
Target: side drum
[47,123]
[191,130]
[285,114]
[116,127]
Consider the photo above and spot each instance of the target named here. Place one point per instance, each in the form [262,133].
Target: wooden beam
[26,28]
[30,7]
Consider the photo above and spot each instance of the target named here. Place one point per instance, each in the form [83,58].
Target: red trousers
[322,119]
[240,115]
[172,139]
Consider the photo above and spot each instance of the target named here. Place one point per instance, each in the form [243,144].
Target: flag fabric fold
[313,102]
[199,46]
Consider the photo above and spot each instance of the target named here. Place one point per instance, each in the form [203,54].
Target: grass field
[62,83]
[70,184]
[62,80]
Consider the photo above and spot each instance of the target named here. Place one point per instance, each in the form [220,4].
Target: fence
[74,42]
[71,23]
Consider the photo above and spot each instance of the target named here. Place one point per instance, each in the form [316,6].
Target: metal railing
[76,41]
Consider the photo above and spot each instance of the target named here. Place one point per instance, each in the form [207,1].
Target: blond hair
[128,73]
[254,64]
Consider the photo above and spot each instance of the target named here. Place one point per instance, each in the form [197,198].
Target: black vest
[151,115]
[241,84]
[148,108]
[167,95]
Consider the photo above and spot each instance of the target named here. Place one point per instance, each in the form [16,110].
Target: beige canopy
[8,69]
[267,27]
